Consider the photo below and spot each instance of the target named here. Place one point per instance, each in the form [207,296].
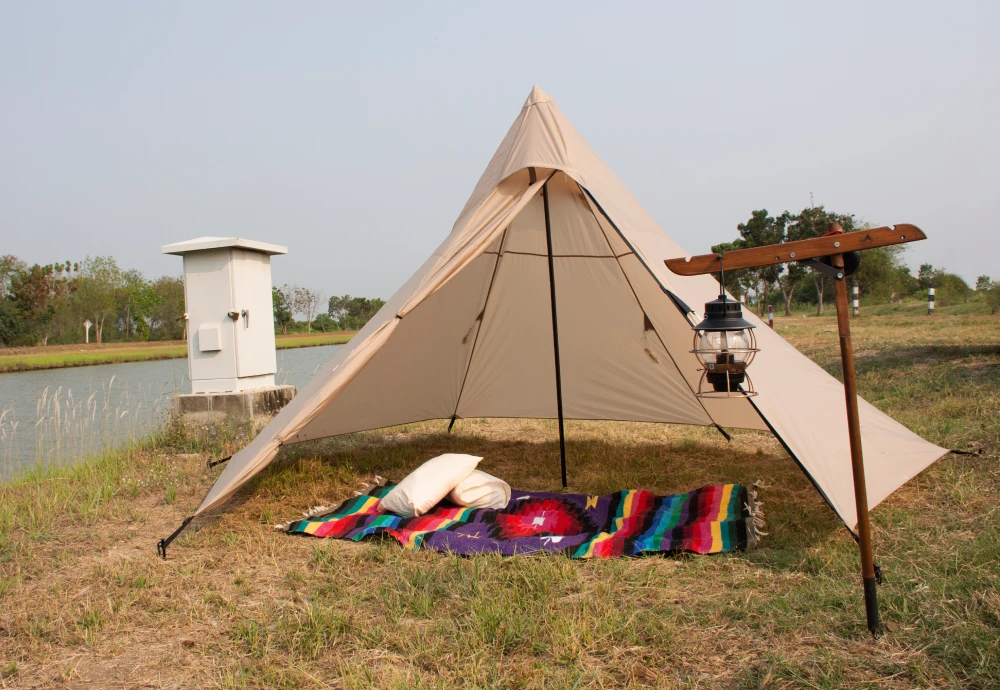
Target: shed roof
[202,243]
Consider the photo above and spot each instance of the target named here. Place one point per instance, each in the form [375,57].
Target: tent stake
[857,462]
[555,334]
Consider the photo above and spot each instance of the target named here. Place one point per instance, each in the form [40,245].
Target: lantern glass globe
[730,346]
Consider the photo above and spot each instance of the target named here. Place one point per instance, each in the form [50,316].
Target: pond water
[59,416]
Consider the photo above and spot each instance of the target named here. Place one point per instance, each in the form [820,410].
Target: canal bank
[92,354]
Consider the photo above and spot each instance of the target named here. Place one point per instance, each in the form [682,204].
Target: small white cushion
[481,490]
[425,486]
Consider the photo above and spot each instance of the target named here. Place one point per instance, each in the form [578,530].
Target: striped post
[855,302]
[770,315]
[930,300]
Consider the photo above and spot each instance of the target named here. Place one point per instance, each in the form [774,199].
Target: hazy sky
[354,132]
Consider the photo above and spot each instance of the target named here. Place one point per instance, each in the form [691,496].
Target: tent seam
[482,322]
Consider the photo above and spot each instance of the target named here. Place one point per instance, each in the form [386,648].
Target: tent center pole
[555,334]
[857,461]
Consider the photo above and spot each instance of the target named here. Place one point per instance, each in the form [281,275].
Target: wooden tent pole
[801,250]
[555,334]
[857,461]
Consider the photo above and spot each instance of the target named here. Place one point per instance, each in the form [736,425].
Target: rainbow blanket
[628,523]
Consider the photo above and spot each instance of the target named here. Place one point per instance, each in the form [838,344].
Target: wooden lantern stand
[833,245]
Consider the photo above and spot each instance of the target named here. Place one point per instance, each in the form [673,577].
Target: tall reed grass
[67,429]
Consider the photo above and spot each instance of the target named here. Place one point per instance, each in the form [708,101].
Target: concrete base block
[211,415]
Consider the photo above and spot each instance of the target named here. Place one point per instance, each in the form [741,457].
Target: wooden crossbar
[797,251]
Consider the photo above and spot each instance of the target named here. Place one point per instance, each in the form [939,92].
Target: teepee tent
[499,322]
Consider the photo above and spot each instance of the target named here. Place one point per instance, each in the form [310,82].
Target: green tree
[352,313]
[882,274]
[167,318]
[99,290]
[737,282]
[10,325]
[814,222]
[951,289]
[283,315]
[760,230]
[10,266]
[927,274]
[324,323]
[948,287]
[35,293]
[993,297]
[139,301]
[983,283]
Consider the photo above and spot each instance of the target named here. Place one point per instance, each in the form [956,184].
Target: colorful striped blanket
[628,523]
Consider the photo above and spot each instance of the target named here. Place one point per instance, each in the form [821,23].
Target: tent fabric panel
[574,230]
[418,373]
[893,454]
[676,333]
[486,225]
[254,457]
[613,367]
[512,373]
[526,233]
[806,408]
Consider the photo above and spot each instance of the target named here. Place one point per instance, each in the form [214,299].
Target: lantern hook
[722,279]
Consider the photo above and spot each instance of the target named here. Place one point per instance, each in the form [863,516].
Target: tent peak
[537,96]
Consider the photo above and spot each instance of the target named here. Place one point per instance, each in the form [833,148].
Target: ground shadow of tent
[796,516]
[549,239]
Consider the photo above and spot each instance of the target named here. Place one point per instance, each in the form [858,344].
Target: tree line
[48,304]
[882,277]
[343,313]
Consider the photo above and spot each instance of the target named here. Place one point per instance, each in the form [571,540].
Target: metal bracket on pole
[834,273]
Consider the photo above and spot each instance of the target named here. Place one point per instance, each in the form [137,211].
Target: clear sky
[353,133]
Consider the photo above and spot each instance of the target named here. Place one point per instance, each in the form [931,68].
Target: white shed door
[207,298]
[255,327]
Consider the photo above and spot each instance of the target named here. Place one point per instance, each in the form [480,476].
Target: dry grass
[84,602]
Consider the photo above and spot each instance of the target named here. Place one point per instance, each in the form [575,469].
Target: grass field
[59,356]
[84,602]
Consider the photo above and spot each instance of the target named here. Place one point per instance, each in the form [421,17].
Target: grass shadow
[629,457]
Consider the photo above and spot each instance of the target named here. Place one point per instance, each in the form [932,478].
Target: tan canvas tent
[470,334]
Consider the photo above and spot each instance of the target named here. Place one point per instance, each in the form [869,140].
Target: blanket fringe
[755,523]
[324,510]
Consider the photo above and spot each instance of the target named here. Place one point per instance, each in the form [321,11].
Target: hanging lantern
[725,344]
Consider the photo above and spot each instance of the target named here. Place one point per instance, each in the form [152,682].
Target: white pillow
[425,486]
[481,490]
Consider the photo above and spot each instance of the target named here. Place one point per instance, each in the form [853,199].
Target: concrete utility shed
[230,329]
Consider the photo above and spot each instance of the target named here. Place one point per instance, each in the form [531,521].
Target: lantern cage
[725,345]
